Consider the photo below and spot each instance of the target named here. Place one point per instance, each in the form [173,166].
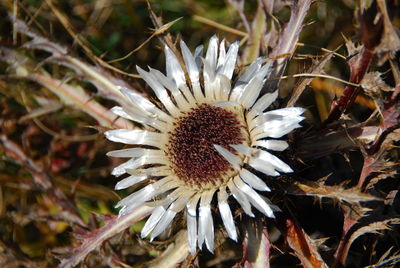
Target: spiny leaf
[374,227]
[375,170]
[318,189]
[92,240]
[386,260]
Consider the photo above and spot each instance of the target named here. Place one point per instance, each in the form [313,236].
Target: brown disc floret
[191,144]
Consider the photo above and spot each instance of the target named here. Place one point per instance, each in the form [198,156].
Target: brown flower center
[191,144]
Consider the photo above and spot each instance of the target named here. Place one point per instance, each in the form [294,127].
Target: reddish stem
[358,68]
[343,247]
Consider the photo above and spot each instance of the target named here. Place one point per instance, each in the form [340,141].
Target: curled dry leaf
[390,41]
[288,39]
[304,247]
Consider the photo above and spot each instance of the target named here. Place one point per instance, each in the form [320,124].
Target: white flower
[205,140]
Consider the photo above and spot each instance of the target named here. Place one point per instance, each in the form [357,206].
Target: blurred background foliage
[68,144]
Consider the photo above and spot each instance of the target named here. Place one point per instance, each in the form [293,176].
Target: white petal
[263,103]
[198,53]
[139,197]
[222,87]
[136,199]
[144,104]
[169,215]
[273,125]
[120,112]
[226,214]
[221,55]
[265,71]
[277,123]
[188,94]
[174,69]
[193,71]
[121,169]
[206,225]
[274,161]
[130,153]
[178,197]
[136,136]
[166,200]
[152,221]
[237,91]
[272,120]
[254,198]
[289,111]
[263,167]
[251,83]
[159,90]
[165,81]
[154,84]
[230,61]
[274,129]
[243,149]
[251,92]
[232,159]
[139,117]
[172,87]
[212,52]
[137,99]
[192,223]
[190,62]
[274,208]
[250,71]
[129,181]
[210,83]
[181,201]
[254,181]
[163,223]
[155,157]
[241,198]
[274,145]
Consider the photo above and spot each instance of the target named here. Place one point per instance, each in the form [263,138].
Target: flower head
[205,140]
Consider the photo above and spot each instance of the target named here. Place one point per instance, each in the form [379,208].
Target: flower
[205,140]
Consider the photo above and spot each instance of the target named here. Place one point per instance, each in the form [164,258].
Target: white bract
[203,142]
